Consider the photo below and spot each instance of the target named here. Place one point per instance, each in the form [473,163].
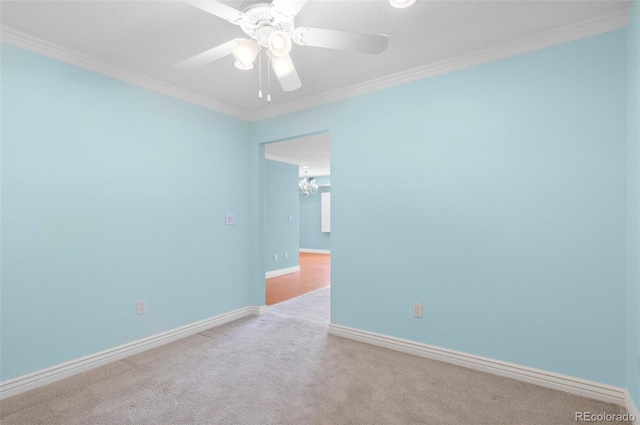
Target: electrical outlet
[275,257]
[140,308]
[417,310]
[311,240]
[286,255]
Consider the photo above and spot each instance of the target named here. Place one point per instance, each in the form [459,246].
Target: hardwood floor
[315,273]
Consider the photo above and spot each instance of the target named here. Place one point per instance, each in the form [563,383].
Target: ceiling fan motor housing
[259,21]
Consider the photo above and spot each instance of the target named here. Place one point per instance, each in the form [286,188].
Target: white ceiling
[311,154]
[141,40]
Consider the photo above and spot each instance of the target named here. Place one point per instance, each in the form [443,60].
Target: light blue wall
[311,236]
[282,235]
[515,240]
[322,180]
[633,199]
[493,195]
[113,194]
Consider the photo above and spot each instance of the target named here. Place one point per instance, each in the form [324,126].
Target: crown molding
[583,29]
[587,28]
[52,50]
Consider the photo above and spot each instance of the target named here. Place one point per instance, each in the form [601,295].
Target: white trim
[46,48]
[632,408]
[259,310]
[281,159]
[60,371]
[587,28]
[540,377]
[280,272]
[315,251]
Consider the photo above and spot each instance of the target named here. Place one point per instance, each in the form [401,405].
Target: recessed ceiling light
[305,167]
[400,4]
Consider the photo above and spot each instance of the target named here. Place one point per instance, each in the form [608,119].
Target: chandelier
[308,185]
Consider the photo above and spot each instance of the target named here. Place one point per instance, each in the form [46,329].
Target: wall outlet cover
[141,308]
[230,218]
[417,310]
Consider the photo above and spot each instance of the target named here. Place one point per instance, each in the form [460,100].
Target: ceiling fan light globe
[245,53]
[240,66]
[400,4]
[282,65]
[279,43]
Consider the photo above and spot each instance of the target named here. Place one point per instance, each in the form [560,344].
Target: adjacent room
[479,225]
[298,217]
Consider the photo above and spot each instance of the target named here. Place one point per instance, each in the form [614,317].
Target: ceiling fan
[270,25]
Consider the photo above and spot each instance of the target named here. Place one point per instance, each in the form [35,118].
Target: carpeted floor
[283,368]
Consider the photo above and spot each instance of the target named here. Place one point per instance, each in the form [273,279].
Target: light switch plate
[230,218]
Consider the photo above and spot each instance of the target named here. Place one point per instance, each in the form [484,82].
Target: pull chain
[269,81]
[260,75]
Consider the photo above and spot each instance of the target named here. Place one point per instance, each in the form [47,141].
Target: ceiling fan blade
[341,40]
[206,57]
[288,8]
[218,9]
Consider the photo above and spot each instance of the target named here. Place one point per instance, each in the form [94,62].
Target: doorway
[297,231]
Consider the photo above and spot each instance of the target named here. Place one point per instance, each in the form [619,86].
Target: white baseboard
[632,408]
[280,272]
[60,371]
[540,377]
[258,310]
[316,251]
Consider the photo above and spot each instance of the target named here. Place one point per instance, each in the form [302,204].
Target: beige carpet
[283,368]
